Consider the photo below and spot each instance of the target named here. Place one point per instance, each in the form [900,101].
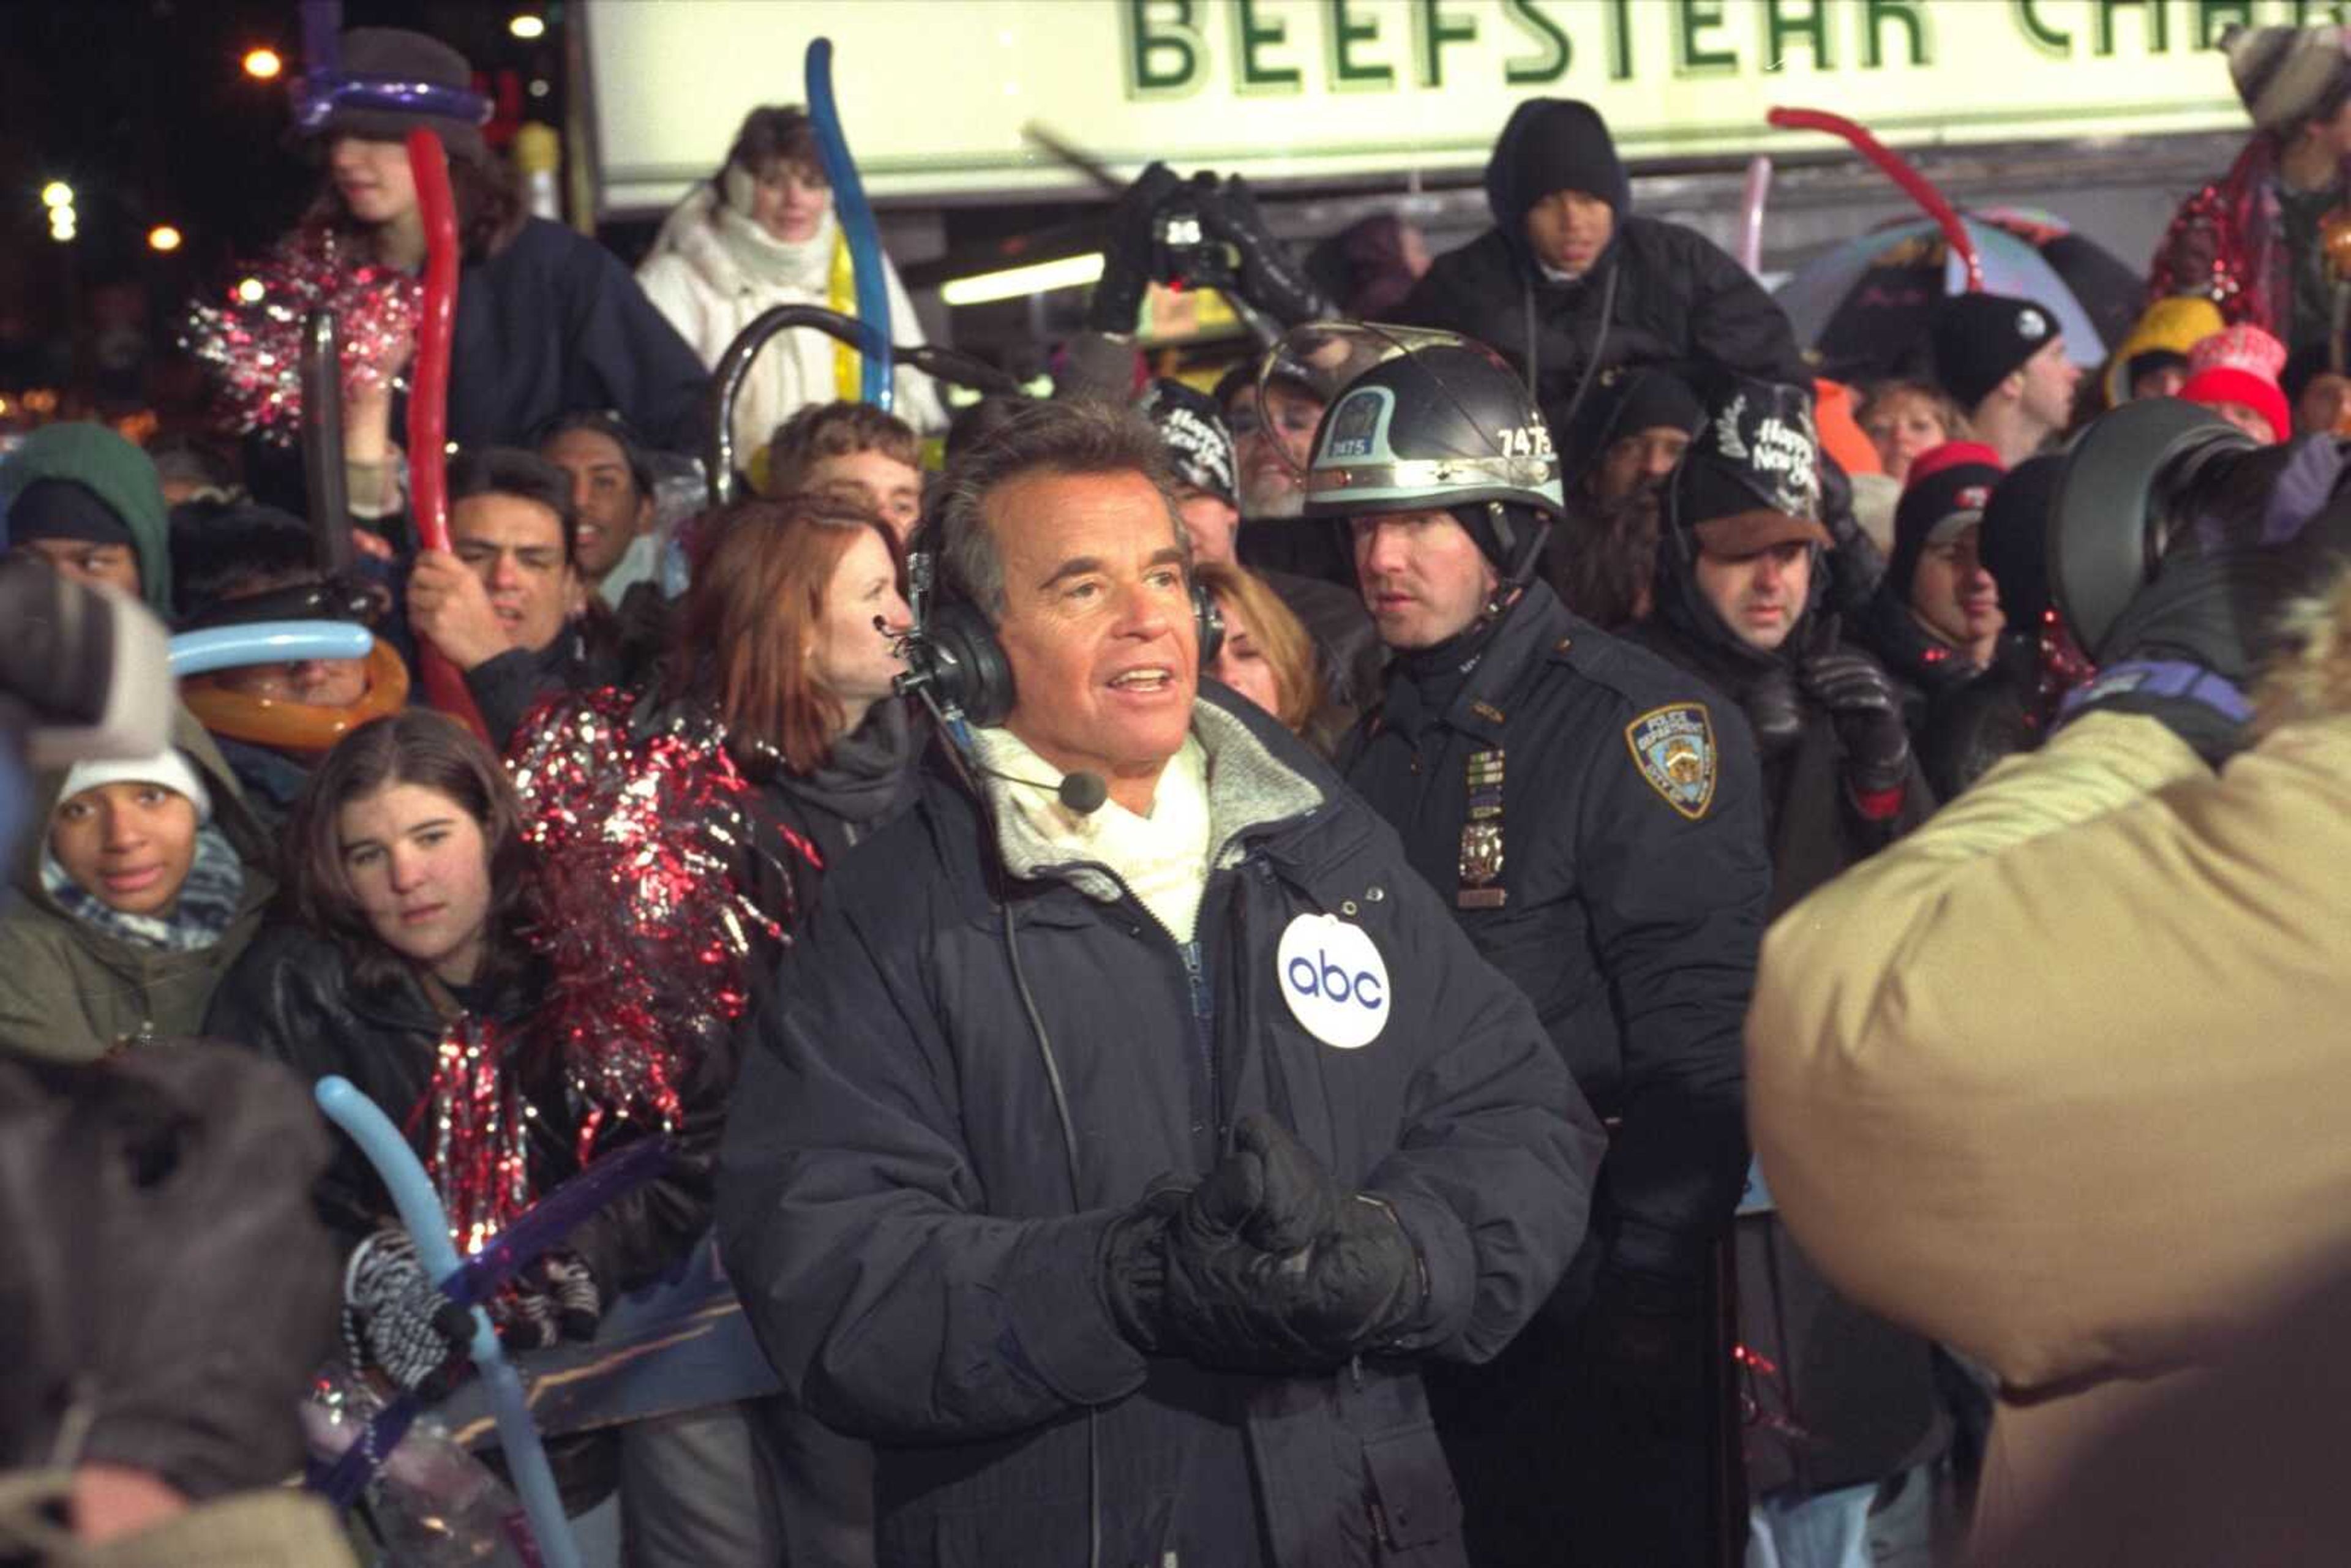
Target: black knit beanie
[1981,338]
[65,509]
[1563,144]
[2014,543]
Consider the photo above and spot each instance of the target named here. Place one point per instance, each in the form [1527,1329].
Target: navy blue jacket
[1630,914]
[918,1250]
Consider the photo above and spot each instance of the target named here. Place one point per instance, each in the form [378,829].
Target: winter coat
[599,648]
[1862,1391]
[119,474]
[1628,914]
[2230,243]
[709,296]
[2053,1079]
[269,1527]
[1814,829]
[550,323]
[293,996]
[1971,725]
[918,1250]
[70,991]
[1673,297]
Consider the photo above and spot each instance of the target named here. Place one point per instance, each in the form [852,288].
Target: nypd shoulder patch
[1674,748]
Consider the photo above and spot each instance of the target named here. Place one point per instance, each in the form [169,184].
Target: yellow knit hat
[2178,323]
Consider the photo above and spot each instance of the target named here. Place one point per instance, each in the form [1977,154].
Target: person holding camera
[1130,1124]
[2042,1081]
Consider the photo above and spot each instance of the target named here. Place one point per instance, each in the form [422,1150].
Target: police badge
[1674,748]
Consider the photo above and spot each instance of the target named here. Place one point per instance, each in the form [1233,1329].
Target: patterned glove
[396,1320]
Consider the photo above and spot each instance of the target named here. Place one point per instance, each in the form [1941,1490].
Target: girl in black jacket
[399,961]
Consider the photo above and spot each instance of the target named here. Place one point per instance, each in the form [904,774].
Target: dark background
[145,108]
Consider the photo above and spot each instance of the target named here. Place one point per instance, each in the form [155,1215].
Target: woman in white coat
[761,232]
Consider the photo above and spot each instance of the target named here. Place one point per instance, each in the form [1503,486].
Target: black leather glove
[1266,1265]
[1131,1270]
[1775,710]
[1117,299]
[396,1321]
[1862,702]
[1271,280]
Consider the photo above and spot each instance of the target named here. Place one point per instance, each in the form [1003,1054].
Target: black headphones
[953,658]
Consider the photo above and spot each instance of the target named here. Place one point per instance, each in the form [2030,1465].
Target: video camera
[2160,479]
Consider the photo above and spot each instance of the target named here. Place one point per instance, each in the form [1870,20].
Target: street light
[61,224]
[56,193]
[263,64]
[250,290]
[527,26]
[162,237]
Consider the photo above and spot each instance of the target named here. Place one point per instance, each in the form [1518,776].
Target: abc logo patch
[1334,980]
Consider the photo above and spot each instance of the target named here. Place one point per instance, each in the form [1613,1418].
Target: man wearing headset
[1131,1120]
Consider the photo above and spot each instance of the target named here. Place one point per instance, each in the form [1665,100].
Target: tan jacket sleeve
[2059,1079]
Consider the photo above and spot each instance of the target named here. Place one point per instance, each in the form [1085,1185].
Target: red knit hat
[2227,383]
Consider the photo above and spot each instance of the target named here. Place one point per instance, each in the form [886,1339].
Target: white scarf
[804,265]
[1161,859]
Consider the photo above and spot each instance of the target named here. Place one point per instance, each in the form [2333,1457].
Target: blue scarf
[197,919]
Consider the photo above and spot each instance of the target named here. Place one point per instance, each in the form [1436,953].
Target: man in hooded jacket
[88,500]
[1741,572]
[1846,1401]
[1570,280]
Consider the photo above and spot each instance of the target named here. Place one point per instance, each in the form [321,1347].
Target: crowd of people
[1206,964]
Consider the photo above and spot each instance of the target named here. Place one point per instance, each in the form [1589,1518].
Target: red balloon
[428,401]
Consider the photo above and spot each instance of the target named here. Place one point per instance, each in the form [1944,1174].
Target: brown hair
[823,430]
[432,751]
[489,210]
[769,135]
[760,574]
[1278,634]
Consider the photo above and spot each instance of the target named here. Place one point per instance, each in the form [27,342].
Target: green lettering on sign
[2049,40]
[1620,40]
[1163,59]
[1691,54]
[2158,25]
[2214,17]
[2332,10]
[1914,31]
[1779,28]
[1432,30]
[1552,62]
[1251,76]
[1348,74]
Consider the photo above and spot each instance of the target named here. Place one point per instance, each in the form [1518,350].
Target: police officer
[1591,816]
[1133,1125]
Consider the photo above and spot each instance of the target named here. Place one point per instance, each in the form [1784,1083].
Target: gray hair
[1062,438]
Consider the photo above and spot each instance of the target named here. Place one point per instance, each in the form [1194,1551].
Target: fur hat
[2286,74]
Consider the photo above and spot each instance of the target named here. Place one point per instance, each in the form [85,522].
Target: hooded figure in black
[1568,280]
[1835,1397]
[1742,574]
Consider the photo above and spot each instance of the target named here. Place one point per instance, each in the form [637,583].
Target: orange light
[263,65]
[162,237]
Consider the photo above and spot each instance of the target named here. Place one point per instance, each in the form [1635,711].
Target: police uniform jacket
[1593,816]
[918,1250]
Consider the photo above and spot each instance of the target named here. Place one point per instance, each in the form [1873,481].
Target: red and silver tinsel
[643,843]
[476,1137]
[251,338]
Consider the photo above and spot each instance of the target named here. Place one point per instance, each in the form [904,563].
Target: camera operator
[1132,1120]
[2050,1079]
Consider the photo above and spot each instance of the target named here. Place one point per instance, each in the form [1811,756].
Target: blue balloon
[266,642]
[420,1209]
[857,226]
